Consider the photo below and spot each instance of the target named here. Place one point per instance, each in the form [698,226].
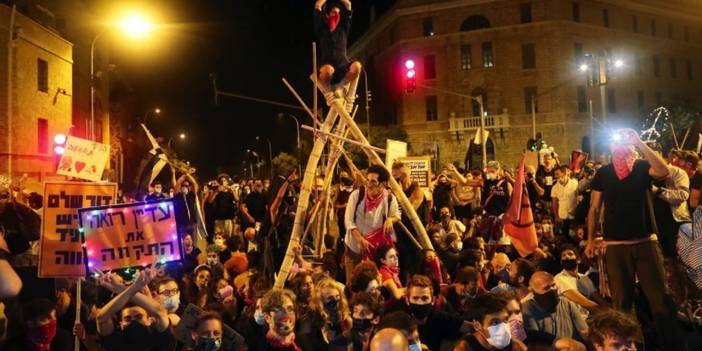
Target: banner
[127,235]
[395,149]
[84,159]
[419,168]
[60,253]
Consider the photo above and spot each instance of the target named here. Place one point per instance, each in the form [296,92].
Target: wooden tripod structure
[342,127]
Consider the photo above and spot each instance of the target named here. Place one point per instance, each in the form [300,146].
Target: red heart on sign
[79,166]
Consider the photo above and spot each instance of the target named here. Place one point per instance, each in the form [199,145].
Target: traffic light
[59,144]
[410,78]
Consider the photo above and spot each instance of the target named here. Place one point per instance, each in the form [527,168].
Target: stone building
[508,51]
[36,86]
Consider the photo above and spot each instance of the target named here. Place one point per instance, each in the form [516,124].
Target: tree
[284,164]
[683,114]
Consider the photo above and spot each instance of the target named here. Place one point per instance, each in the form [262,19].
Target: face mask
[419,311]
[503,275]
[346,181]
[516,327]
[334,19]
[459,246]
[417,346]
[184,190]
[207,344]
[43,335]
[171,303]
[499,336]
[491,176]
[546,228]
[212,261]
[570,264]
[136,333]
[219,242]
[361,324]
[332,305]
[547,301]
[445,217]
[259,318]
[470,294]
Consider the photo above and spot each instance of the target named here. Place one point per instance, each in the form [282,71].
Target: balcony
[466,124]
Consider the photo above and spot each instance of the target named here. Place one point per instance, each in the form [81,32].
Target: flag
[153,165]
[518,221]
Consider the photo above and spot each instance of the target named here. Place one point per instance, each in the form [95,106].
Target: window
[635,24]
[432,108]
[638,64]
[653,27]
[429,67]
[42,75]
[428,27]
[488,59]
[656,66]
[670,30]
[465,57]
[611,101]
[476,106]
[605,17]
[42,136]
[529,94]
[659,98]
[673,68]
[686,33]
[474,23]
[582,98]
[525,12]
[578,53]
[689,69]
[576,12]
[528,56]
[640,100]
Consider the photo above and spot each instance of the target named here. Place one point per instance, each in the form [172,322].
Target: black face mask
[346,181]
[419,311]
[547,301]
[570,264]
[361,324]
[136,333]
[332,305]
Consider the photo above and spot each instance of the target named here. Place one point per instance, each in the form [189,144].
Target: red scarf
[273,341]
[434,266]
[371,202]
[393,272]
[376,239]
[334,19]
[623,161]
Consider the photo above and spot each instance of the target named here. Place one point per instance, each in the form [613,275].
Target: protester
[387,260]
[573,285]
[612,331]
[278,306]
[157,193]
[222,201]
[491,331]
[564,199]
[12,284]
[366,313]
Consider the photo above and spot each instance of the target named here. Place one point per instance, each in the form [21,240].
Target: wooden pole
[314,82]
[394,186]
[76,339]
[687,133]
[675,138]
[303,200]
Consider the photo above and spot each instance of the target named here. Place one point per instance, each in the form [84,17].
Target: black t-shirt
[546,180]
[696,181]
[498,203]
[156,341]
[442,196]
[626,214]
[256,203]
[184,205]
[332,45]
[438,327]
[223,205]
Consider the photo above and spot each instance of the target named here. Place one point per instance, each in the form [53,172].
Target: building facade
[36,87]
[513,52]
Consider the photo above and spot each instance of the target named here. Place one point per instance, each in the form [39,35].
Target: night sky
[250,46]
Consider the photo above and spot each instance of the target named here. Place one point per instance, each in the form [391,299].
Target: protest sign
[476,138]
[60,253]
[395,149]
[577,160]
[84,159]
[127,235]
[231,340]
[419,169]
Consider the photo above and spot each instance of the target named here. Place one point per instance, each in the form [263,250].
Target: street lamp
[299,148]
[134,26]
[270,155]
[155,111]
[181,136]
[258,161]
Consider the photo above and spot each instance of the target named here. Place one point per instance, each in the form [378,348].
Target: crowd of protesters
[372,286]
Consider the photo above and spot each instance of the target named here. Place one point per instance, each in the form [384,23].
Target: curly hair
[317,303]
[275,298]
[611,323]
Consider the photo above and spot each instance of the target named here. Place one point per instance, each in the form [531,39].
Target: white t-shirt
[366,222]
[567,196]
[565,281]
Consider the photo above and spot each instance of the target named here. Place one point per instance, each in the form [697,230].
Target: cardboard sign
[419,168]
[136,234]
[577,160]
[61,254]
[183,332]
[84,159]
[476,138]
[395,150]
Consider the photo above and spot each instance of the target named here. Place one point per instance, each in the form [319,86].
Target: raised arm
[346,4]
[11,282]
[592,215]
[659,168]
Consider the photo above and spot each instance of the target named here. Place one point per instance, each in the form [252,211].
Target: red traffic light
[409,64]
[60,139]
[411,73]
[59,150]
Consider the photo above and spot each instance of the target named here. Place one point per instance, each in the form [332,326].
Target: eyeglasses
[171,292]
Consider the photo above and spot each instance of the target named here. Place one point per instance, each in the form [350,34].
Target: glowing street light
[583,67]
[618,63]
[136,25]
[182,136]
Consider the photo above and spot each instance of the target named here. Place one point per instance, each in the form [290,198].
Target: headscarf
[334,19]
[623,158]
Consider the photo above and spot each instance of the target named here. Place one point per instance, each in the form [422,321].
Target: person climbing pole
[332,22]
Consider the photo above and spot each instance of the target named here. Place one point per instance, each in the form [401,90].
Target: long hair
[317,304]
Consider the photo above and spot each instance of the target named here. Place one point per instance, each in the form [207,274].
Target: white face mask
[259,318]
[219,242]
[546,228]
[459,246]
[171,303]
[500,336]
[417,346]
[212,261]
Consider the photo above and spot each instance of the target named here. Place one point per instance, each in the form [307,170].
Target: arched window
[475,105]
[474,22]
[474,154]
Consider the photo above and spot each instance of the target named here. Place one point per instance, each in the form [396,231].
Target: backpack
[689,247]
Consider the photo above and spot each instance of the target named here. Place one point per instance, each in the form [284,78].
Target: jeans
[645,261]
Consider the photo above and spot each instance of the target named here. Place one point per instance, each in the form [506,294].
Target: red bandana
[290,343]
[373,201]
[334,19]
[393,272]
[623,161]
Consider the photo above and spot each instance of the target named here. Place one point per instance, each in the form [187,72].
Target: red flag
[518,221]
